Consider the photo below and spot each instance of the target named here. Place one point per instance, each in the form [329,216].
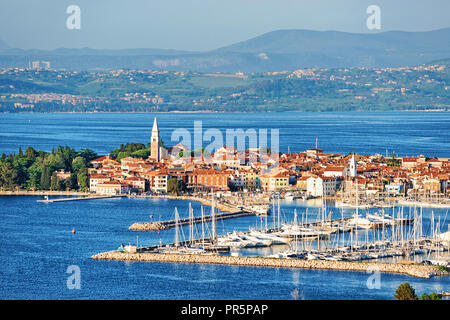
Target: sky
[199,25]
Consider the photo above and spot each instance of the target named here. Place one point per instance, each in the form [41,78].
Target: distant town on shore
[39,88]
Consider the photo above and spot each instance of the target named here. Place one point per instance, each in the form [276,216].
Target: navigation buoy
[73,231]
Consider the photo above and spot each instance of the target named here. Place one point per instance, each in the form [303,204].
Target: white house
[321,186]
[111,188]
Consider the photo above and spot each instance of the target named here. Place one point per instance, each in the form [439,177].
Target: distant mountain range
[273,51]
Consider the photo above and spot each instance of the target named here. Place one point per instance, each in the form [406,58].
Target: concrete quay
[420,271]
[43,193]
[79,198]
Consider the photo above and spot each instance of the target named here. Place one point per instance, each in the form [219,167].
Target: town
[312,173]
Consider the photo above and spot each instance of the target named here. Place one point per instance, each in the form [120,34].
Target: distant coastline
[222,112]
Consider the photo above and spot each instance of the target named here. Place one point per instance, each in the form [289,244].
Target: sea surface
[405,133]
[37,245]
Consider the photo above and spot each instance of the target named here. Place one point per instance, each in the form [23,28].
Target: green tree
[30,153]
[45,178]
[55,183]
[431,296]
[34,177]
[83,179]
[88,155]
[143,153]
[8,176]
[78,163]
[123,154]
[405,292]
[175,186]
[172,185]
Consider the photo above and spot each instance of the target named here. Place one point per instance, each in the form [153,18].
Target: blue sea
[37,245]
[405,133]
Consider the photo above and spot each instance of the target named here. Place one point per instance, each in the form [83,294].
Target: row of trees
[37,170]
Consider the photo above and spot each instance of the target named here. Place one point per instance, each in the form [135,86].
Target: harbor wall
[420,271]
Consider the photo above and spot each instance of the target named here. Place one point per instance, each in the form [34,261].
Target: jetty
[420,271]
[79,198]
[168,224]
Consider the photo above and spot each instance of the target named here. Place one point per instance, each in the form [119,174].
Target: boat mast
[176,227]
[213,218]
[278,213]
[295,234]
[203,225]
[191,224]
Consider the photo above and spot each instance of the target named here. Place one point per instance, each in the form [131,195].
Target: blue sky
[199,24]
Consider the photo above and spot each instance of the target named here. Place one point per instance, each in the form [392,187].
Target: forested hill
[273,51]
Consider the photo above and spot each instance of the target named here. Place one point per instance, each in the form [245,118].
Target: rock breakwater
[421,271]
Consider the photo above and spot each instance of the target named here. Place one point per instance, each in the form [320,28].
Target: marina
[398,237]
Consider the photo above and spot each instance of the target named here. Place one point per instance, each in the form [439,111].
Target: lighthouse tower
[154,143]
[353,170]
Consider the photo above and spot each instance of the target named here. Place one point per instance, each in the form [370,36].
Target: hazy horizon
[199,25]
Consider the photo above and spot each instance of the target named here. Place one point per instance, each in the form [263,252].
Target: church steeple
[155,130]
[154,143]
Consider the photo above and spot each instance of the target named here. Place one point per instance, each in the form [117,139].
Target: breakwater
[420,271]
[207,202]
[164,225]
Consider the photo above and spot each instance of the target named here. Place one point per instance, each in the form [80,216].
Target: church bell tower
[154,143]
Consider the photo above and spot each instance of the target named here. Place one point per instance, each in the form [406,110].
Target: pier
[79,198]
[164,225]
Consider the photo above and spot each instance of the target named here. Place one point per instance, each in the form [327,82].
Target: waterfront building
[104,161]
[208,178]
[95,179]
[393,188]
[275,181]
[111,188]
[237,178]
[321,186]
[135,183]
[432,185]
[313,153]
[335,171]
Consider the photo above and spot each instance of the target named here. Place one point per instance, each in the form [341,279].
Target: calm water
[405,133]
[37,246]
